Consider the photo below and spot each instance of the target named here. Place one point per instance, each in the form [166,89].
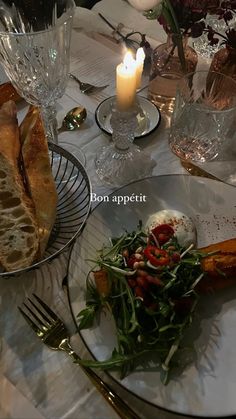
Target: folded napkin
[89,21]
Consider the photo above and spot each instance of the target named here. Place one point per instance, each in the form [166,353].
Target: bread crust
[18,227]
[38,174]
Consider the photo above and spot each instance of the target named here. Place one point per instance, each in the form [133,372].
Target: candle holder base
[148,119]
[117,169]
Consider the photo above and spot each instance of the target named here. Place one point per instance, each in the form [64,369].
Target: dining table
[36,382]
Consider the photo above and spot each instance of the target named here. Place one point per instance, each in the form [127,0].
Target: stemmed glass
[34,51]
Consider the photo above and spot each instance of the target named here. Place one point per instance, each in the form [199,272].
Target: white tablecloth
[49,380]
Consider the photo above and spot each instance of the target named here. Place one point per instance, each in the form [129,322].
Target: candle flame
[140,55]
[129,61]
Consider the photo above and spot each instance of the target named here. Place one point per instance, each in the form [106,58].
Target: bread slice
[19,241]
[38,174]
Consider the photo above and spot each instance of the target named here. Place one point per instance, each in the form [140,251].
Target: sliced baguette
[18,227]
[38,174]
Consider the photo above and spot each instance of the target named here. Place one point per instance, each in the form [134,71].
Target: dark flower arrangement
[226,11]
[183,16]
[187,17]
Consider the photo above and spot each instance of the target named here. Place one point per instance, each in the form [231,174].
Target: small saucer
[146,124]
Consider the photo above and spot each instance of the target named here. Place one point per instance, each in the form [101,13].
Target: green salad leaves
[148,283]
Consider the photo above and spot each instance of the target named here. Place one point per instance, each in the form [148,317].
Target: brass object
[73,119]
[52,331]
[198,171]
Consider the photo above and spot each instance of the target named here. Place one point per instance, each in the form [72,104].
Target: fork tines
[39,316]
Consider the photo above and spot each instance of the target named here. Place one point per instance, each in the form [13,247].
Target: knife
[198,171]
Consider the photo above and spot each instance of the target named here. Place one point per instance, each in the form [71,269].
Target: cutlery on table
[52,331]
[73,119]
[87,88]
[198,171]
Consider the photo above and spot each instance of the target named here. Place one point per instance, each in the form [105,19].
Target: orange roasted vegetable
[220,267]
[102,282]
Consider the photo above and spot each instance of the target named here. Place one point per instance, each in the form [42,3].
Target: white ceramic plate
[146,124]
[206,388]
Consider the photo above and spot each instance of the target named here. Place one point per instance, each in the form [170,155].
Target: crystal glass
[203,121]
[35,48]
[122,161]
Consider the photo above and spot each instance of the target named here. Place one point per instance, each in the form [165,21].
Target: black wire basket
[73,208]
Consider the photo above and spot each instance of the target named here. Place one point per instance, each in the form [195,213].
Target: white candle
[126,82]
[140,57]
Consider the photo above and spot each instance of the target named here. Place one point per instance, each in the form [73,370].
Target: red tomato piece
[157,257]
[163,233]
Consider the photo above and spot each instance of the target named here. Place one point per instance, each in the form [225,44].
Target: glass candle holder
[122,161]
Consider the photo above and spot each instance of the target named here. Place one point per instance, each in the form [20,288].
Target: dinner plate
[206,387]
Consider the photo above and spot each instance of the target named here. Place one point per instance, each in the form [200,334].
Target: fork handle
[120,407]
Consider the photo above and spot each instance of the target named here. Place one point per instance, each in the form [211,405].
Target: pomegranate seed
[132,283]
[142,282]
[154,280]
[141,272]
[139,292]
[175,257]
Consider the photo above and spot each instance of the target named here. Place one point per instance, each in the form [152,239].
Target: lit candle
[140,57]
[126,82]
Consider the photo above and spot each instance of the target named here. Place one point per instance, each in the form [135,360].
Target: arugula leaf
[86,316]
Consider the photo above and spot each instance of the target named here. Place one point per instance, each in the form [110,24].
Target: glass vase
[224,61]
[167,67]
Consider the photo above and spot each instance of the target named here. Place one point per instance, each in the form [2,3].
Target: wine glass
[35,51]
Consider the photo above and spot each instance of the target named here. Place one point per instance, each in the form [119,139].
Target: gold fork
[52,331]
[87,88]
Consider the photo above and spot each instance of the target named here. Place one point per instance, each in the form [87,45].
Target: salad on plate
[150,281]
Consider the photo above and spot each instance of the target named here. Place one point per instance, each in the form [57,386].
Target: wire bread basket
[73,208]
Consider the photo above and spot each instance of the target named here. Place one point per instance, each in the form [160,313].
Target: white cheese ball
[182,225]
